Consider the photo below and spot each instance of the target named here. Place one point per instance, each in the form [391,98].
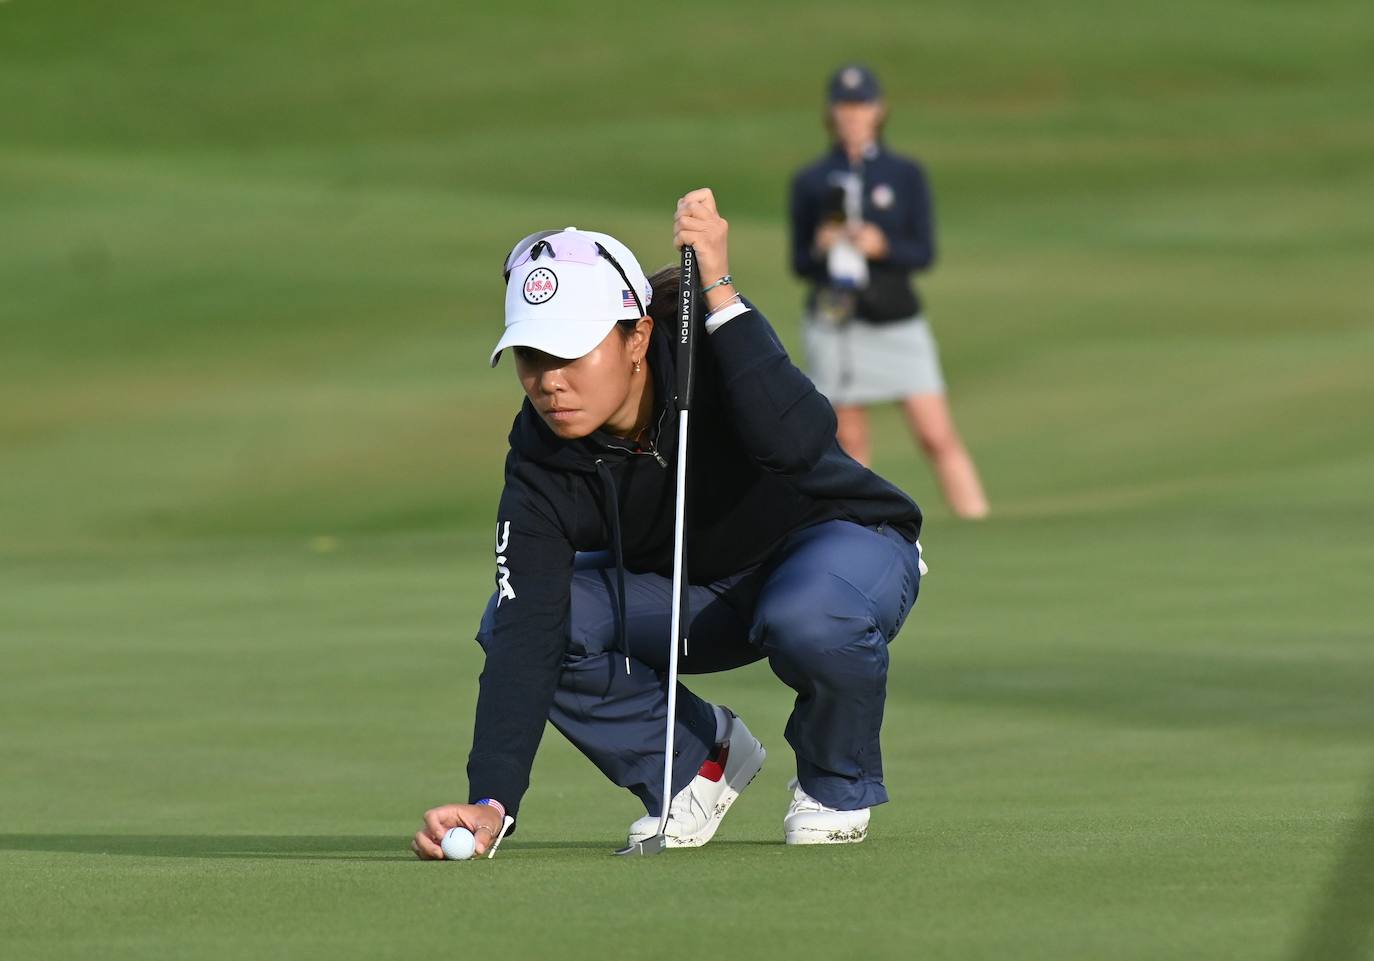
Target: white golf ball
[458,844]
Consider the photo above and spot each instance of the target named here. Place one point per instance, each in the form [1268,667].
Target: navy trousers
[822,610]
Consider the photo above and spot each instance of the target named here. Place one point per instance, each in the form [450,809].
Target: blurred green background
[250,451]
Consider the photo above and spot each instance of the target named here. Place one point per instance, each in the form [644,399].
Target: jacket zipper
[653,448]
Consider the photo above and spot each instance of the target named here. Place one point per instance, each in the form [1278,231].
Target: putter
[689,316]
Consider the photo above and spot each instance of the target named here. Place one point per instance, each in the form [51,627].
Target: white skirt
[860,363]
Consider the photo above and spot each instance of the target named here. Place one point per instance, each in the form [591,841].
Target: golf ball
[458,844]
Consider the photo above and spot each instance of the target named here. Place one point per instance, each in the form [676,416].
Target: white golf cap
[566,289]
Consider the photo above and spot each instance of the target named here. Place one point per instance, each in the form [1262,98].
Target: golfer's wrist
[495,805]
[720,296]
[725,313]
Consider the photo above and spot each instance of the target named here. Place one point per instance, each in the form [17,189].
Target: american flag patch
[627,299]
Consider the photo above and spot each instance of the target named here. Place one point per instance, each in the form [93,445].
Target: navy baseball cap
[854,83]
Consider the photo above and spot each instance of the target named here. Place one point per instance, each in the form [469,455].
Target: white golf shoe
[809,821]
[698,809]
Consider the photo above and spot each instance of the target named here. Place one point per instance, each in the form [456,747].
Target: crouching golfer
[795,552]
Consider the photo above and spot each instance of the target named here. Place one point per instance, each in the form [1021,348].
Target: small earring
[636,367]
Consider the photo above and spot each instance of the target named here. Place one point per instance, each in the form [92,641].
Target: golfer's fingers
[482,836]
[692,220]
[702,196]
[696,230]
[696,218]
[684,237]
[424,848]
[437,821]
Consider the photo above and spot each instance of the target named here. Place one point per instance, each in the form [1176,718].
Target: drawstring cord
[613,515]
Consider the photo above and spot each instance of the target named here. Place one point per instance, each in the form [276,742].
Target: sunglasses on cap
[561,245]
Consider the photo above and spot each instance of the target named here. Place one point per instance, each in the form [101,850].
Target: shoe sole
[812,836]
[732,793]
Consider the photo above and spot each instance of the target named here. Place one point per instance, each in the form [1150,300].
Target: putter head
[645,848]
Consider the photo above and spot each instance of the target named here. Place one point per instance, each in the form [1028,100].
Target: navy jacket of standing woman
[896,198]
[764,463]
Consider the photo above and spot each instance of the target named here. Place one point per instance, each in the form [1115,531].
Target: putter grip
[688,323]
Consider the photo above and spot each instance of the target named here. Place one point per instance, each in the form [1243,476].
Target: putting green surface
[250,451]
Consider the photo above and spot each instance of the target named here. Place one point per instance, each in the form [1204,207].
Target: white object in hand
[847,265]
[458,844]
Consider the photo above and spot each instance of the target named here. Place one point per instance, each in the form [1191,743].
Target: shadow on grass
[613,843]
[1341,926]
[267,847]
[275,847]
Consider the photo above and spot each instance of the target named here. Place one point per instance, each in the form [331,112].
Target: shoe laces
[801,801]
[686,806]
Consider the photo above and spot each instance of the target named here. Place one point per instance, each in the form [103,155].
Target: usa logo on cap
[540,285]
[851,78]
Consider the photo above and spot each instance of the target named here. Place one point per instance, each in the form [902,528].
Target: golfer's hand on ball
[481,819]
[698,223]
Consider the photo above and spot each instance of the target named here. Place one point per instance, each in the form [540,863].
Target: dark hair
[662,304]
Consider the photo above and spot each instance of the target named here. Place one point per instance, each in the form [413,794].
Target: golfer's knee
[809,636]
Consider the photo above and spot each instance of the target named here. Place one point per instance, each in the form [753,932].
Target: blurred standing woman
[861,226]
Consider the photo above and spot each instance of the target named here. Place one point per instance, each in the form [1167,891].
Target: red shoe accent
[713,768]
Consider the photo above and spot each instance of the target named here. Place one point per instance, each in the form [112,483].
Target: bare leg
[852,432]
[933,426]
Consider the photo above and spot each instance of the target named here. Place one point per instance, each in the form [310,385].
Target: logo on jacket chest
[503,589]
[883,196]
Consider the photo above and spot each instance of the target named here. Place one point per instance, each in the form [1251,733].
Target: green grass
[250,450]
